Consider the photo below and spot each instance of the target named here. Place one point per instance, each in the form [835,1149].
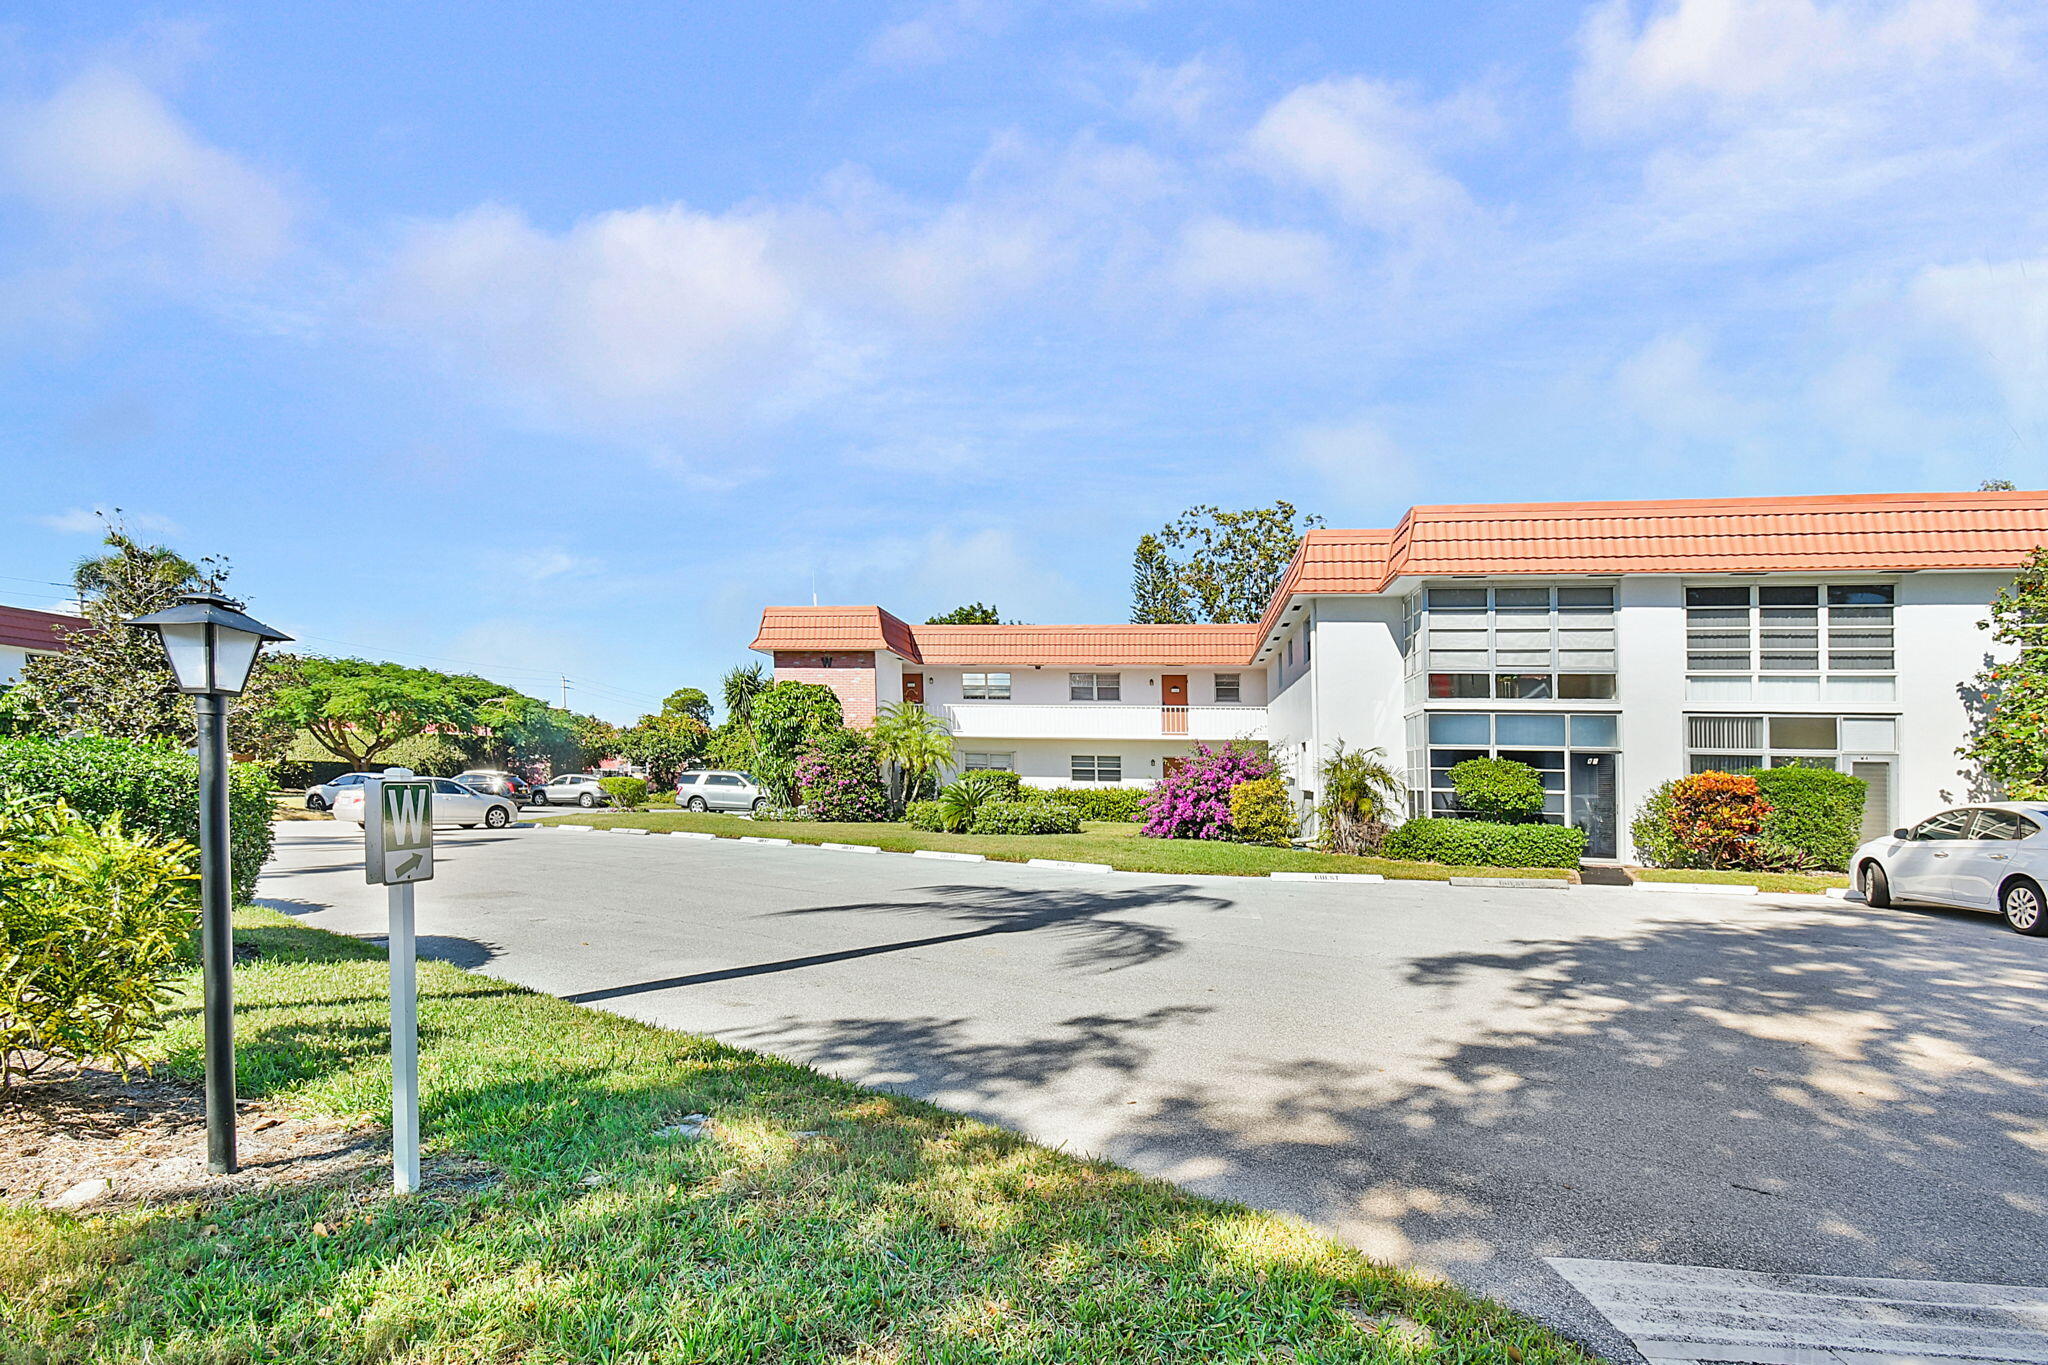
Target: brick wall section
[852,676]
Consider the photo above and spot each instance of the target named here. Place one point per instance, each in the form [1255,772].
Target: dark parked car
[511,787]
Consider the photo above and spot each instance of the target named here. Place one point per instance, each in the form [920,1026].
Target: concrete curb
[851,848]
[1710,888]
[1325,877]
[573,829]
[763,839]
[633,831]
[1063,865]
[689,834]
[943,855]
[1517,883]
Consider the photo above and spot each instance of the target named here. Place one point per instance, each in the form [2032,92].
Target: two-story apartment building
[1611,646]
[24,632]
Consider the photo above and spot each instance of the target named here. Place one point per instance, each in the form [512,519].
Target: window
[1784,641]
[686,780]
[1944,827]
[723,780]
[1558,746]
[449,787]
[1228,689]
[985,686]
[1094,686]
[1519,644]
[988,762]
[1732,743]
[2002,825]
[1098,768]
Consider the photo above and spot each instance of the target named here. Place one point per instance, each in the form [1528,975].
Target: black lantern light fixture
[212,647]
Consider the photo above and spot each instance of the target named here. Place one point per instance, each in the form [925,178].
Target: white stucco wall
[1047,762]
[11,660]
[1939,647]
[1049,684]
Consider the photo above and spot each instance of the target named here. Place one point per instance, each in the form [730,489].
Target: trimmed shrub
[1193,802]
[1656,837]
[1483,843]
[93,922]
[926,816]
[1815,812]
[1094,803]
[1261,812]
[839,778]
[1498,789]
[1006,785]
[625,792]
[1718,818]
[153,788]
[1025,817]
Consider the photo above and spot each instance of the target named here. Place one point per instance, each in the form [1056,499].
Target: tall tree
[688,701]
[973,614]
[1156,595]
[2008,743]
[113,679]
[915,744]
[787,716]
[357,709]
[665,743]
[1211,565]
[740,687]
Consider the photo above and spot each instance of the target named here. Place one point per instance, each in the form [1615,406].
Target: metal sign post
[398,850]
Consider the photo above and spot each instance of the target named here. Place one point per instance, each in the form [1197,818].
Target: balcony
[1101,720]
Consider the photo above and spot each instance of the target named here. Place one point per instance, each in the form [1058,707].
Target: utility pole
[565,693]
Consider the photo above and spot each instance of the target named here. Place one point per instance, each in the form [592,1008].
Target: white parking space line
[1678,1313]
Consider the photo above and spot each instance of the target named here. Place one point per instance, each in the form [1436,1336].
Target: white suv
[719,791]
[574,789]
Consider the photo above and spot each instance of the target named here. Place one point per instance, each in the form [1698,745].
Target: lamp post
[212,647]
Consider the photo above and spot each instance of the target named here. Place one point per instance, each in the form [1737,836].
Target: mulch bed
[146,1137]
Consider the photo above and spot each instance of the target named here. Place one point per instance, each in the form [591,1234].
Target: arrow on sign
[410,864]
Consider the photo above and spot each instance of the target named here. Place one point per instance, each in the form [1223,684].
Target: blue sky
[560,342]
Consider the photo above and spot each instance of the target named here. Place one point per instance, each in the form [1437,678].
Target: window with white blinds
[1789,642]
[1732,743]
[1520,643]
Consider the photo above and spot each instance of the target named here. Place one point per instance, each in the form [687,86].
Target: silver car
[572,789]
[321,795]
[719,791]
[454,804]
[1988,857]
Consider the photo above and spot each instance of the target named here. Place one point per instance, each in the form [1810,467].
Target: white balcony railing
[1101,720]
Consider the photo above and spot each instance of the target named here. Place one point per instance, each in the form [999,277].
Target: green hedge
[1006,785]
[1094,803]
[1815,810]
[1480,843]
[624,791]
[154,789]
[1025,817]
[924,815]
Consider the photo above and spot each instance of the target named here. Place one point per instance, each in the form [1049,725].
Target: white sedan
[1989,857]
[454,804]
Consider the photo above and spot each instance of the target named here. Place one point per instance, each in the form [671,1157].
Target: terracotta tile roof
[1856,532]
[1199,646]
[21,628]
[825,628]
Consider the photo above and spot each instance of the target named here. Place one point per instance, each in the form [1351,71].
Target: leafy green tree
[357,709]
[973,614]
[1157,597]
[688,701]
[114,680]
[1213,565]
[915,744]
[2008,743]
[1360,792]
[787,718]
[596,740]
[665,743]
[740,687]
[1997,486]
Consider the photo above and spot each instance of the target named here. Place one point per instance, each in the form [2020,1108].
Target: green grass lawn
[1815,882]
[818,1223]
[1114,842]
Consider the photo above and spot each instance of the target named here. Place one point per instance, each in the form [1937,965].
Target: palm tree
[915,743]
[742,685]
[1360,789]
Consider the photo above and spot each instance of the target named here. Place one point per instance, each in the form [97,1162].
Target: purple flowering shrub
[1193,802]
[839,778]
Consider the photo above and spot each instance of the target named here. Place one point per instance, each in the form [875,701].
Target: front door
[1173,695]
[913,688]
[1592,801]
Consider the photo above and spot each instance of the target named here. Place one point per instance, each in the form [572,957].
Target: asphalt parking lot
[1469,1079]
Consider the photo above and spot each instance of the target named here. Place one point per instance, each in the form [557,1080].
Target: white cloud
[1371,148]
[1733,60]
[1217,256]
[1671,387]
[106,149]
[1998,312]
[95,520]
[645,313]
[1180,97]
[937,33]
[1358,458]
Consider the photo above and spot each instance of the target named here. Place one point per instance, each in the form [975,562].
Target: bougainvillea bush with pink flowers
[1193,801]
[839,778]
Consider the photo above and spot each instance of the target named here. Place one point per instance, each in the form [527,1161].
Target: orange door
[913,688]
[1173,695]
